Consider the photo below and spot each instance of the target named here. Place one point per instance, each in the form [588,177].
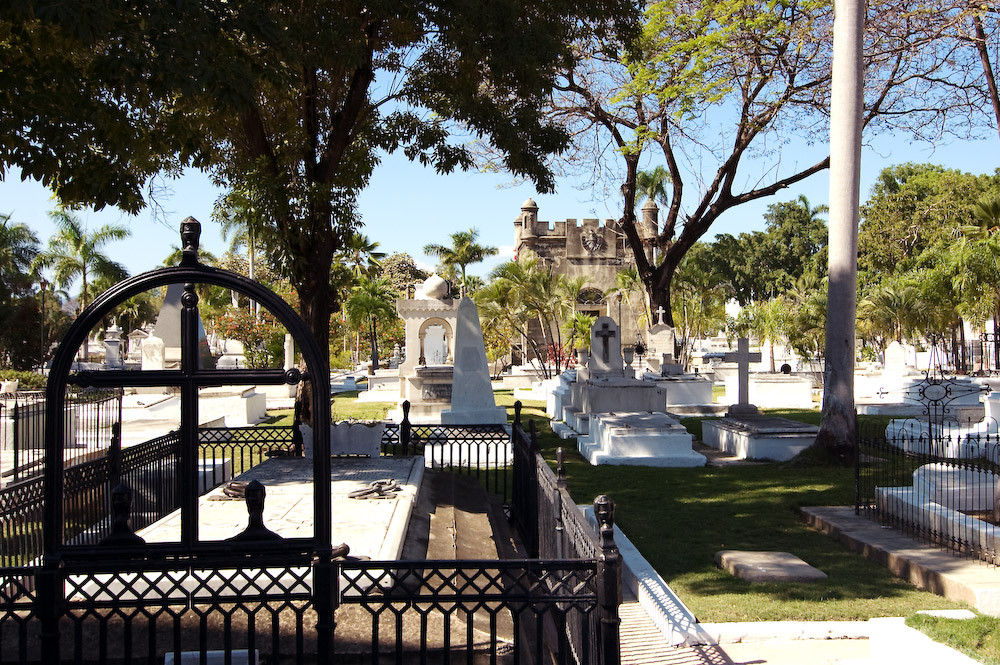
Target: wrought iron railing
[939,485]
[90,415]
[560,605]
[481,451]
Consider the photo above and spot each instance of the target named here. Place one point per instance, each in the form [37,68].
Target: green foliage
[74,253]
[371,307]
[522,291]
[19,309]
[698,299]
[913,207]
[100,96]
[464,251]
[978,638]
[262,338]
[401,271]
[763,264]
[577,330]
[26,380]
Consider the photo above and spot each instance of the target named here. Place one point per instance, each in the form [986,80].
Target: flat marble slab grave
[768,438]
[373,528]
[638,438]
[767,566]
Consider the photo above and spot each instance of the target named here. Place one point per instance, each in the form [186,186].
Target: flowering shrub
[255,334]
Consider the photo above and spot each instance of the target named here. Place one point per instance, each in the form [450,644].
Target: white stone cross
[742,357]
[659,315]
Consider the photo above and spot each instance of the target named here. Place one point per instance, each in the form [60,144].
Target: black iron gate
[258,597]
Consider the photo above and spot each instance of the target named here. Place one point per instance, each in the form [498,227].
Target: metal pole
[43,284]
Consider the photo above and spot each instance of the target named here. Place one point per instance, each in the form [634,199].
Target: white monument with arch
[426,373]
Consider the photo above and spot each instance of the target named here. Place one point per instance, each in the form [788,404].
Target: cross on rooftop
[605,333]
[742,357]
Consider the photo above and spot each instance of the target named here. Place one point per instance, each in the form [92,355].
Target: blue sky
[407,206]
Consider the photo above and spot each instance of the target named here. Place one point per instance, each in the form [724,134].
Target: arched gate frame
[61,559]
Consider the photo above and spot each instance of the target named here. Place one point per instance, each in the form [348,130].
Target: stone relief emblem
[592,241]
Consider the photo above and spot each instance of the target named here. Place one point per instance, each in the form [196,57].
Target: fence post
[517,412]
[405,434]
[557,497]
[49,606]
[326,598]
[297,429]
[531,478]
[15,416]
[609,581]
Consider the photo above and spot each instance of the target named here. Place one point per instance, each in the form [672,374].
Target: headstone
[742,357]
[895,360]
[113,347]
[152,353]
[605,349]
[289,352]
[472,393]
[135,339]
[661,343]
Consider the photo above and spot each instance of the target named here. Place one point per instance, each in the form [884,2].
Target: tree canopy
[715,89]
[288,104]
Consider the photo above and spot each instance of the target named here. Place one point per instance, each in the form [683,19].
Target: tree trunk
[838,428]
[315,302]
[984,56]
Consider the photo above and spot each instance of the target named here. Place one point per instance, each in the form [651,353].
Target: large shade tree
[289,104]
[714,89]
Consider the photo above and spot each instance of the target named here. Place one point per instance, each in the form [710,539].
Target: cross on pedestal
[605,333]
[742,357]
[659,315]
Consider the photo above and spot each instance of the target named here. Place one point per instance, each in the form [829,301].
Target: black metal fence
[559,606]
[90,417]
[481,451]
[937,481]
[149,469]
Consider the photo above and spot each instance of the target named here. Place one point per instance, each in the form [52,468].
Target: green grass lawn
[679,519]
[978,638]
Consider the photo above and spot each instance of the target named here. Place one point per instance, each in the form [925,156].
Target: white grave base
[773,391]
[759,438]
[495,416]
[939,492]
[637,438]
[948,523]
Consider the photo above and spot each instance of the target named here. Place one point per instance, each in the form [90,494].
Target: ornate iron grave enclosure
[95,602]
[259,597]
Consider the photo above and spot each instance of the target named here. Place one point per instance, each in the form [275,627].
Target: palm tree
[73,253]
[464,251]
[18,249]
[651,185]
[372,299]
[361,254]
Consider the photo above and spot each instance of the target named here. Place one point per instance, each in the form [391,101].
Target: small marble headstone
[605,349]
[895,360]
[153,353]
[113,347]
